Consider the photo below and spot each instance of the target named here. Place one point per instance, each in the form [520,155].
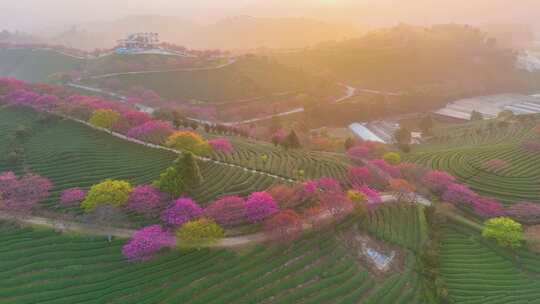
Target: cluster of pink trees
[22,194]
[525,212]
[438,181]
[155,132]
[362,150]
[443,184]
[121,117]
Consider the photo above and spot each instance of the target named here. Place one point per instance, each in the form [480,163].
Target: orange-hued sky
[40,14]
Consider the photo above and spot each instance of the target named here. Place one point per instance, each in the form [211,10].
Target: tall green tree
[190,170]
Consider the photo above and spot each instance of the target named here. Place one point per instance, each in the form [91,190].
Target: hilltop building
[140,41]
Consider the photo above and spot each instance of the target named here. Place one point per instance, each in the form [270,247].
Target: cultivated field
[464,149]
[478,271]
[75,269]
[73,155]
[247,78]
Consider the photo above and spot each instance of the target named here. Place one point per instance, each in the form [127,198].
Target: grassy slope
[44,267]
[248,78]
[35,66]
[463,152]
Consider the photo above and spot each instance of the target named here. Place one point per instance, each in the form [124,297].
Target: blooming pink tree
[525,212]
[72,196]
[221,145]
[228,211]
[438,181]
[487,207]
[328,184]
[359,152]
[459,194]
[494,165]
[146,242]
[22,194]
[136,118]
[386,168]
[181,211]
[146,200]
[259,206]
[372,195]
[360,175]
[531,145]
[155,132]
[337,204]
[306,191]
[284,227]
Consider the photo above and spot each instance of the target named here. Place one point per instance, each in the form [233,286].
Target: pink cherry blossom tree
[259,206]
[525,212]
[146,242]
[228,211]
[438,181]
[360,175]
[221,145]
[459,194]
[146,200]
[487,207]
[181,211]
[72,196]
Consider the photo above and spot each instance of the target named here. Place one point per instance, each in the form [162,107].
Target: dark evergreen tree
[349,143]
[292,141]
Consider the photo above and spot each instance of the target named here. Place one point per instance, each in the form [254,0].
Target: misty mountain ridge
[240,32]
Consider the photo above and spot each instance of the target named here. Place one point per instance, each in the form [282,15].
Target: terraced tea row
[44,267]
[517,181]
[298,164]
[477,271]
[400,224]
[73,155]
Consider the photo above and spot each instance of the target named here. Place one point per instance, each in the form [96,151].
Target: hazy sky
[40,14]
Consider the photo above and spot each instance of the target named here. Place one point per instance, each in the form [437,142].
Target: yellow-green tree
[392,158]
[188,141]
[104,118]
[504,230]
[114,192]
[199,233]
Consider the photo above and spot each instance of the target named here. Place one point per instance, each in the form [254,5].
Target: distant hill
[35,65]
[242,32]
[405,57]
[18,37]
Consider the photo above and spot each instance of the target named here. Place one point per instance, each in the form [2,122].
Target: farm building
[490,106]
[362,131]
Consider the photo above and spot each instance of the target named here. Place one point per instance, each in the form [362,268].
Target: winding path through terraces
[350,92]
[228,242]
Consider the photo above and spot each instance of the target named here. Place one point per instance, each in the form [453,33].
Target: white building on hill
[139,41]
